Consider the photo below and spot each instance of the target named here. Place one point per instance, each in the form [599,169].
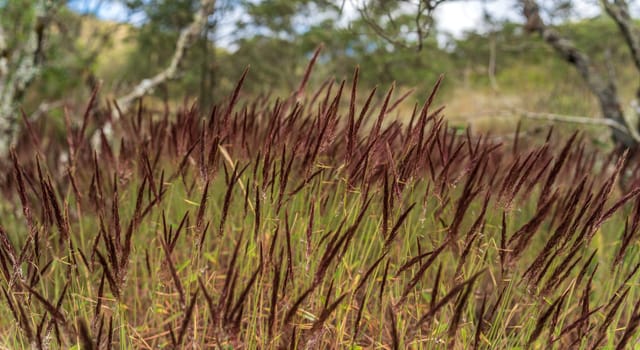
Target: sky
[454,18]
[108,10]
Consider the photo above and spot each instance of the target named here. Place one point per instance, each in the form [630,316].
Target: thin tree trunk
[491,68]
[204,90]
[603,89]
[618,10]
[187,37]
[18,69]
[185,41]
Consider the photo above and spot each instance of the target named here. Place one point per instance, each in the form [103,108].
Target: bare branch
[187,37]
[423,23]
[44,108]
[366,16]
[618,10]
[576,120]
[603,89]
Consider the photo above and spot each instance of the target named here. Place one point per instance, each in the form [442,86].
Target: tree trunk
[186,39]
[18,69]
[603,88]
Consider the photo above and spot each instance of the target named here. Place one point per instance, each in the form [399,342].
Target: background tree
[24,27]
[389,40]
[601,82]
[155,38]
[37,42]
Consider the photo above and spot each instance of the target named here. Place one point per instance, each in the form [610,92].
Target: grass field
[299,223]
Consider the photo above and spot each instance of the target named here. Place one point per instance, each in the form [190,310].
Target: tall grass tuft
[338,221]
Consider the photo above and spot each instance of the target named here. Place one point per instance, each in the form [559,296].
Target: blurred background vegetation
[490,71]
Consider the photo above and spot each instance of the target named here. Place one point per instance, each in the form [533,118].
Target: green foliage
[273,36]
[18,17]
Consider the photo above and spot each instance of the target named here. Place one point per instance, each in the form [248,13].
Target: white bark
[602,87]
[18,69]
[186,39]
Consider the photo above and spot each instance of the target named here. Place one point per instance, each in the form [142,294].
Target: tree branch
[366,17]
[577,120]
[187,37]
[618,10]
[603,89]
[422,21]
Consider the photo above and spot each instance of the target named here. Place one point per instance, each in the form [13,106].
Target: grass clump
[315,222]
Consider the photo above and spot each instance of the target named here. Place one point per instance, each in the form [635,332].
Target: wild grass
[314,222]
